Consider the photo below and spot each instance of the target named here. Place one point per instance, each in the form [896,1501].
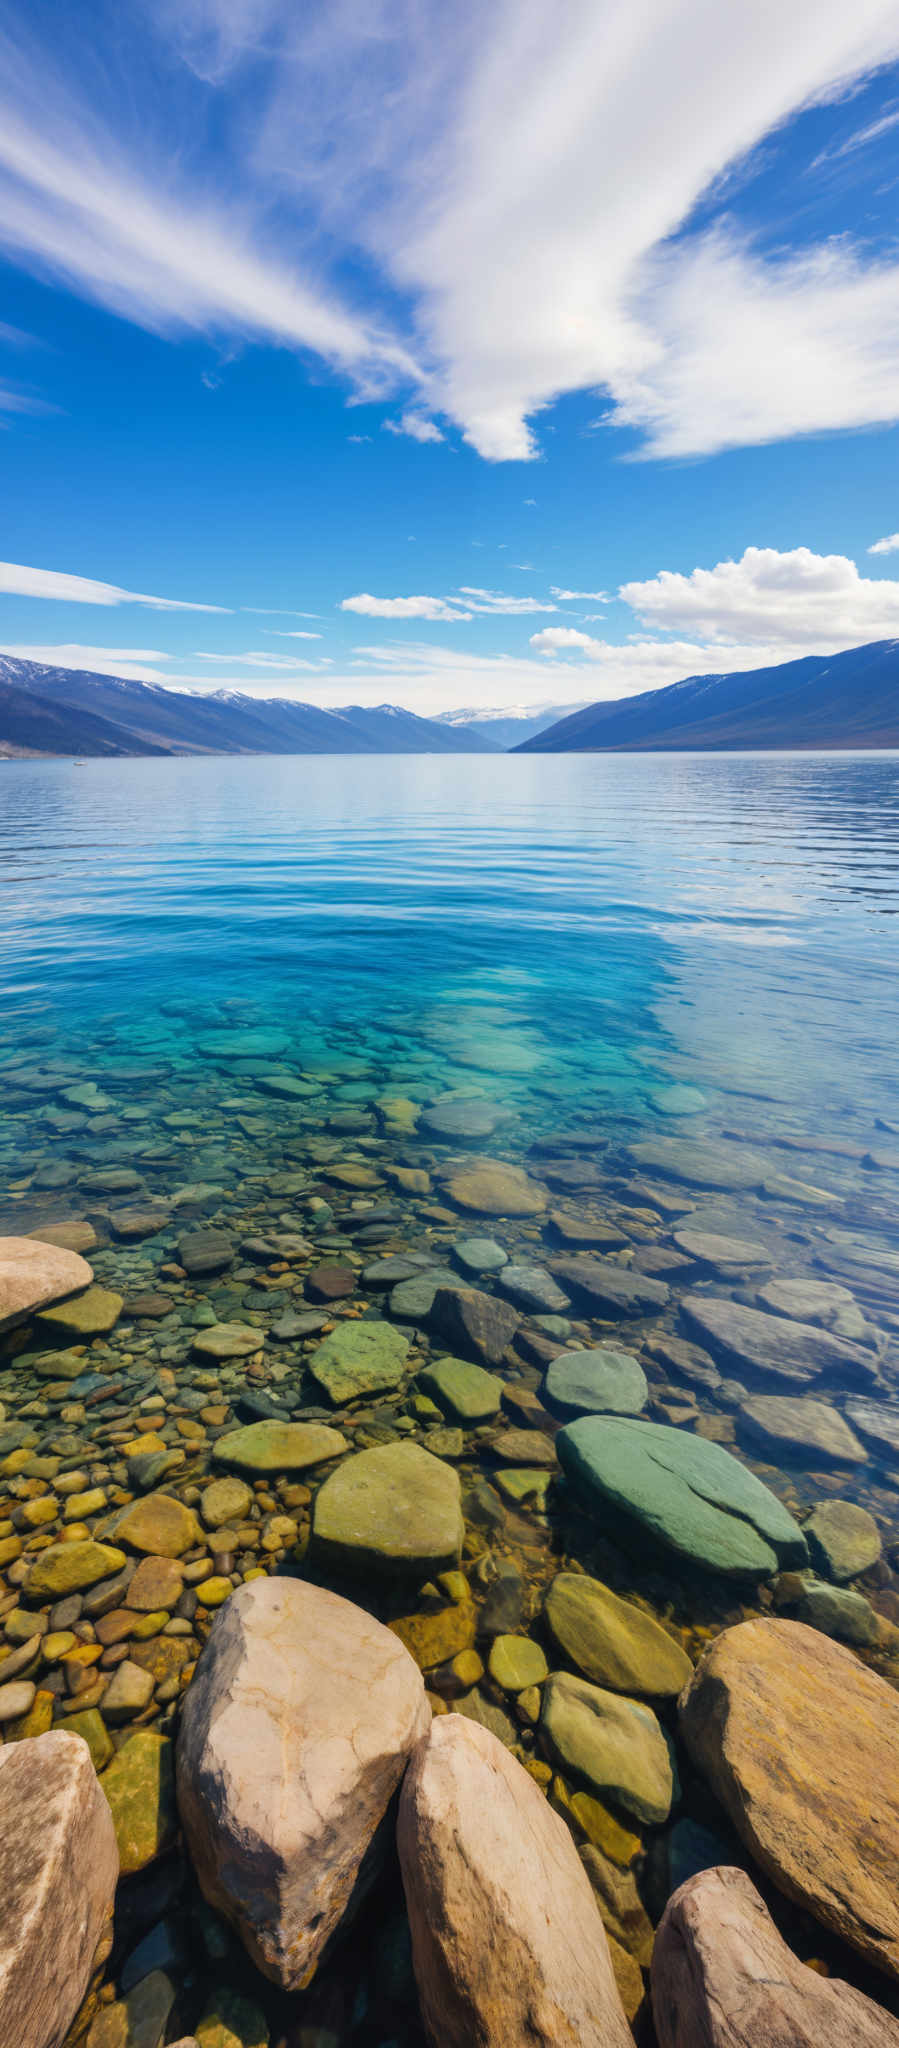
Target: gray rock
[701,1164]
[295,1734]
[532,1288]
[205,1251]
[461,1119]
[605,1289]
[474,1323]
[799,1426]
[597,1382]
[839,1612]
[723,1254]
[878,1423]
[480,1255]
[773,1347]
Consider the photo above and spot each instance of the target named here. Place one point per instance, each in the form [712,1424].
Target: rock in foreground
[33,1274]
[722,1977]
[799,1741]
[58,1870]
[295,1734]
[683,1492]
[507,1941]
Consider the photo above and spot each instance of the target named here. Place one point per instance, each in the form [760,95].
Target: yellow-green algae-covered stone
[71,1568]
[140,1787]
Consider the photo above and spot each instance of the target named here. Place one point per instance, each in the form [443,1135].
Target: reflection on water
[299,1002]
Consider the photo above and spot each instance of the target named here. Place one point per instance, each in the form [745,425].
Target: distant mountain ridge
[511,726]
[47,710]
[837,700]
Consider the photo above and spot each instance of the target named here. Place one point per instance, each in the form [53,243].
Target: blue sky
[448,357]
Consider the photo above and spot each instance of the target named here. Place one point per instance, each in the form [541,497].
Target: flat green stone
[279,1446]
[91,1314]
[392,1509]
[600,1381]
[359,1358]
[71,1568]
[464,1391]
[516,1662]
[616,1746]
[611,1641]
[140,1787]
[681,1491]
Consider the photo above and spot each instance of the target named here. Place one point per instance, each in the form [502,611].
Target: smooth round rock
[516,1662]
[598,1381]
[34,1273]
[358,1358]
[227,1340]
[394,1509]
[464,1391]
[843,1539]
[615,1745]
[279,1446]
[225,1500]
[611,1641]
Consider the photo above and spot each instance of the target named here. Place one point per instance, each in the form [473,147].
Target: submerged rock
[277,1447]
[774,1346]
[611,1641]
[494,1188]
[722,1977]
[684,1492]
[798,1425]
[359,1358]
[91,1314]
[615,1745]
[139,1785]
[34,1273]
[507,1942]
[474,1322]
[58,1870]
[295,1734]
[843,1539]
[394,1509]
[799,1742]
[597,1382]
[464,1391]
[605,1289]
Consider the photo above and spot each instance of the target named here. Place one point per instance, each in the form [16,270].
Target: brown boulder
[58,1870]
[799,1741]
[294,1736]
[474,1323]
[507,1942]
[33,1274]
[723,1978]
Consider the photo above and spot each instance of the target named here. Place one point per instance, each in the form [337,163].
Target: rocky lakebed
[449,1550]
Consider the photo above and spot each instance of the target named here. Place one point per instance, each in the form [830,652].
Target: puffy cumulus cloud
[513,190]
[559,639]
[415,426]
[403,608]
[18,581]
[795,601]
[888,546]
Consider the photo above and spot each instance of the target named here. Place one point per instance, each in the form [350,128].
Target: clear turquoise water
[561,939]
[727,918]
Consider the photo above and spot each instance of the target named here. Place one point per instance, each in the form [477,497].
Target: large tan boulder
[33,1274]
[799,1741]
[58,1870]
[722,1978]
[295,1733]
[507,1941]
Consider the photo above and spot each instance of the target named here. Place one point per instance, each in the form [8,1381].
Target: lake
[370,1020]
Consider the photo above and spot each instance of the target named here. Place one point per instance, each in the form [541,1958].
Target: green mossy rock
[359,1358]
[611,1641]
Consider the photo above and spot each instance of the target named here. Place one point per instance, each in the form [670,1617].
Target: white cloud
[558,639]
[517,186]
[279,633]
[403,608]
[277,611]
[18,581]
[797,600]
[265,659]
[496,601]
[888,546]
[416,426]
[576,596]
[130,662]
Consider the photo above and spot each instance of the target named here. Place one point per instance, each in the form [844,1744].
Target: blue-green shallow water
[570,942]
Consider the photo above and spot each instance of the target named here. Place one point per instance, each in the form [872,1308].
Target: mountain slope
[510,727]
[839,700]
[87,713]
[30,724]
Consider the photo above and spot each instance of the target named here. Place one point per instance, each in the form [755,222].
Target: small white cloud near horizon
[18,581]
[580,596]
[403,608]
[888,546]
[561,639]
[415,426]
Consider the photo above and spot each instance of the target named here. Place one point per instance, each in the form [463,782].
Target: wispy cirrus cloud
[18,581]
[403,608]
[467,215]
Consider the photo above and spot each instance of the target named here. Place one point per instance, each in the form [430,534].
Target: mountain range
[841,700]
[837,700]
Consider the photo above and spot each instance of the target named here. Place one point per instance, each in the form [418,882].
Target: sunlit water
[572,942]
